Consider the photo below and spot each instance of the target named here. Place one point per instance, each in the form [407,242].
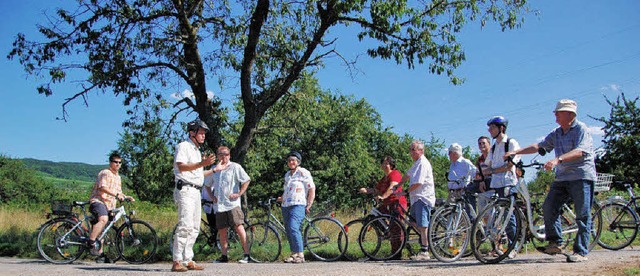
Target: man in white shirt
[421,193]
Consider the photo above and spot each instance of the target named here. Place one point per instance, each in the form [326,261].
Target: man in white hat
[461,172]
[575,174]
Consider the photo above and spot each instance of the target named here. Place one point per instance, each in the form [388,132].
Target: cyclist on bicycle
[575,175]
[482,182]
[421,194]
[393,199]
[461,172]
[503,173]
[106,191]
[297,199]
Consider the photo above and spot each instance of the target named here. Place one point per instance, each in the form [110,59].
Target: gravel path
[600,262]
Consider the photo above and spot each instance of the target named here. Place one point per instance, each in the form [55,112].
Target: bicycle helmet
[296,155]
[499,121]
[197,124]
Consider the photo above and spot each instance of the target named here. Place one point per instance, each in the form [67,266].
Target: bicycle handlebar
[521,165]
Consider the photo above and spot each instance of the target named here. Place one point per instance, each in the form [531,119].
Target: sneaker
[552,249]
[222,259]
[193,266]
[94,249]
[178,267]
[102,259]
[422,256]
[512,254]
[244,259]
[576,258]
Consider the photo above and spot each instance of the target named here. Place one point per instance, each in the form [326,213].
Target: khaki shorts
[229,218]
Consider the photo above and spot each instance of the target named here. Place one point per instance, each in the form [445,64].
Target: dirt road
[601,262]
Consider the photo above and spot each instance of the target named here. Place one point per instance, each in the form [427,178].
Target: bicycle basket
[603,182]
[61,208]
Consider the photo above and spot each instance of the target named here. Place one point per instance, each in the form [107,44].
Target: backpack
[506,146]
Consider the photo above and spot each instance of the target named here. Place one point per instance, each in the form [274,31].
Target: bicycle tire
[137,242]
[486,238]
[378,241]
[619,226]
[265,245]
[448,233]
[352,231]
[596,228]
[321,237]
[55,250]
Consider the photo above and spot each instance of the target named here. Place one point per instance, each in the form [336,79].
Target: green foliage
[66,170]
[622,139]
[21,184]
[148,162]
[542,182]
[341,140]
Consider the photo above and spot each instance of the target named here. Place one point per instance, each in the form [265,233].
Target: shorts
[229,218]
[421,212]
[98,209]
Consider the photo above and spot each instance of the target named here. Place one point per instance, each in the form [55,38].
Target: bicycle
[489,239]
[321,235]
[448,232]
[384,236]
[353,229]
[207,243]
[620,220]
[63,239]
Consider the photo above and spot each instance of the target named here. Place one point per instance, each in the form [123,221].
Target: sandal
[290,259]
[298,259]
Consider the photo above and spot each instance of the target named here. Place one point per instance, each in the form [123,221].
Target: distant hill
[65,170]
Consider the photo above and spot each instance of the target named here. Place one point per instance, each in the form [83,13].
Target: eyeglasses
[117,162]
[223,154]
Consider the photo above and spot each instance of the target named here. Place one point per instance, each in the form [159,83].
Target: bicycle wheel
[382,238]
[619,226]
[448,233]
[58,244]
[489,242]
[109,245]
[596,227]
[265,245]
[321,237]
[137,242]
[352,231]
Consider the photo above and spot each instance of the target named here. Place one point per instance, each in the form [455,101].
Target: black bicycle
[620,220]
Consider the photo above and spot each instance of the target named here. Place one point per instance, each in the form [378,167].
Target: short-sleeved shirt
[227,182]
[296,187]
[422,173]
[496,160]
[576,138]
[187,152]
[383,186]
[463,170]
[111,181]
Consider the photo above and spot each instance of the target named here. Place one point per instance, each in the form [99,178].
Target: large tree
[622,139]
[140,48]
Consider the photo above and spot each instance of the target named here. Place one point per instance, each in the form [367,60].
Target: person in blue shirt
[575,175]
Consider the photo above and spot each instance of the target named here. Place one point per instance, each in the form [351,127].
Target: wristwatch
[560,160]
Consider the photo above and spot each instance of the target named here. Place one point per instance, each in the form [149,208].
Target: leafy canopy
[139,49]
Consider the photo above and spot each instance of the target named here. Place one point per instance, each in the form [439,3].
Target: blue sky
[573,49]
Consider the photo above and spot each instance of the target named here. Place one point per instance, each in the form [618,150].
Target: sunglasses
[117,162]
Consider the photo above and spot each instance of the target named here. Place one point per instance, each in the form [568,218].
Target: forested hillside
[65,170]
